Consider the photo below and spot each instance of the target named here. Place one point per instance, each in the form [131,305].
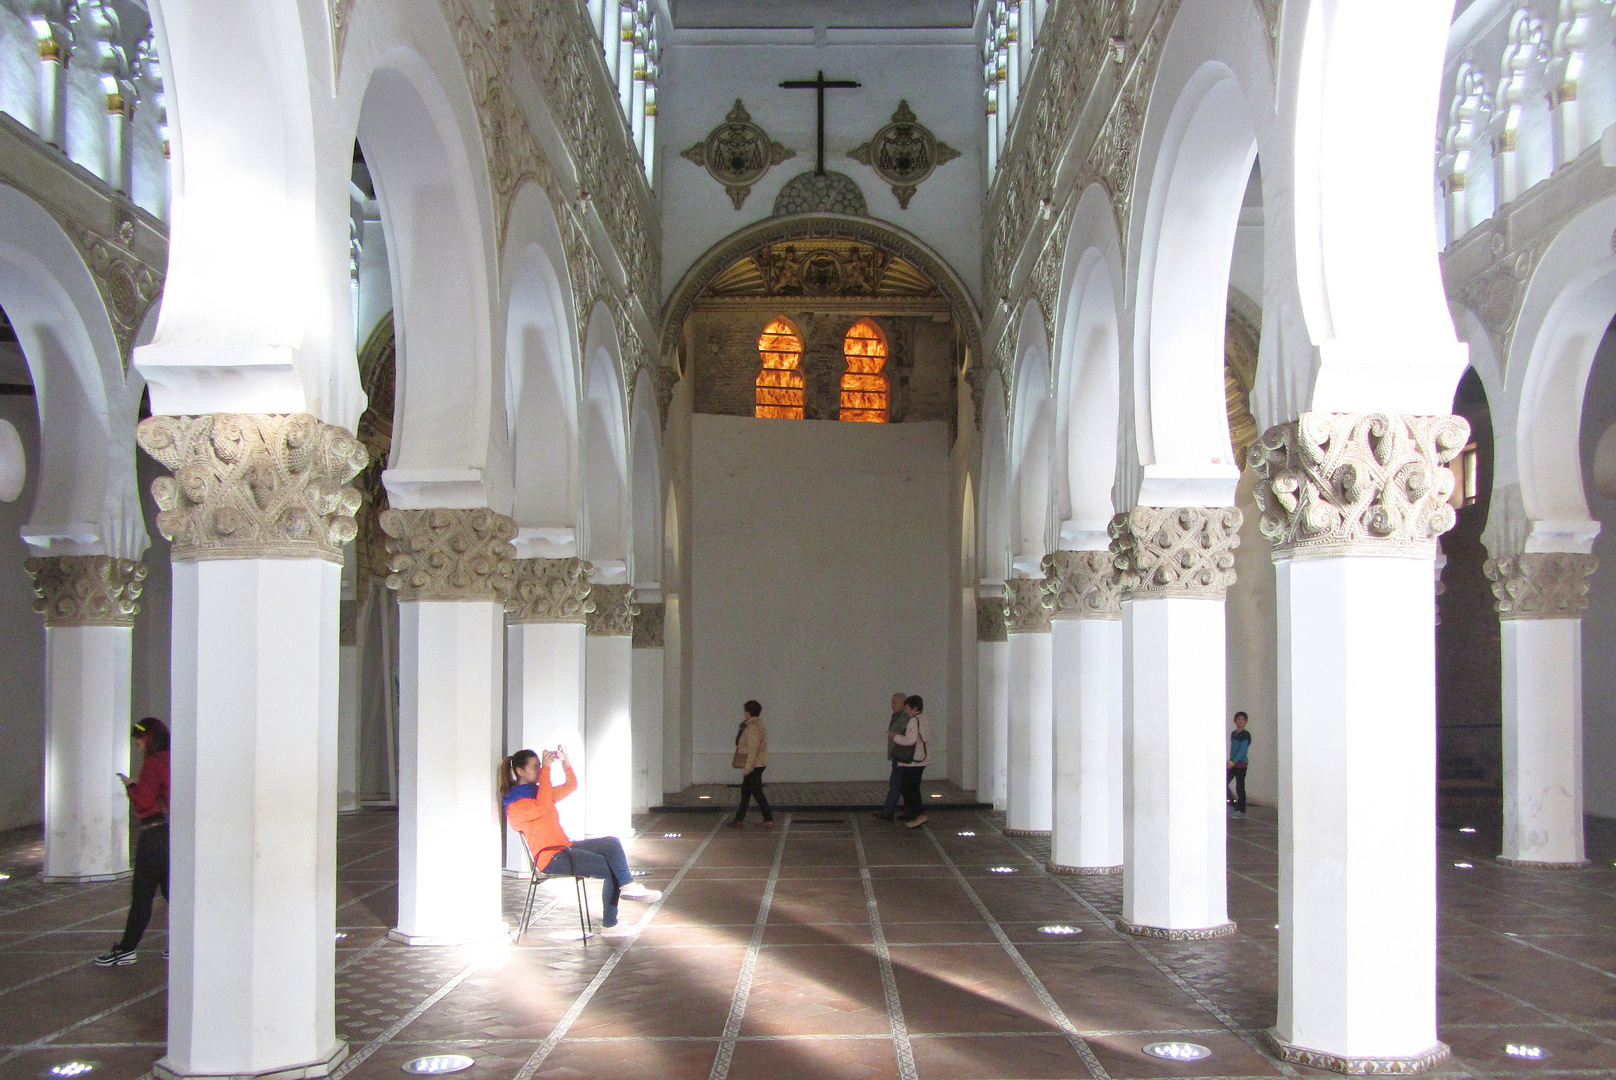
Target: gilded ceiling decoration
[737,153]
[904,153]
[819,268]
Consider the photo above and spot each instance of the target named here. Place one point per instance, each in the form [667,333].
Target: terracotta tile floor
[842,948]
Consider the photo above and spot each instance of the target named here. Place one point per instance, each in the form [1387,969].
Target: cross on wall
[819,85]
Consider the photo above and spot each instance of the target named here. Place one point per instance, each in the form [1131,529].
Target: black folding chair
[586,924]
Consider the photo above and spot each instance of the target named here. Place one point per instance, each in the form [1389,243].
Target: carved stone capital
[1357,483]
[1540,585]
[612,611]
[990,625]
[649,620]
[1183,551]
[1026,611]
[1082,585]
[87,590]
[549,591]
[253,485]
[450,555]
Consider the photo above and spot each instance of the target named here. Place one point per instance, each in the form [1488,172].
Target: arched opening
[865,396]
[1033,449]
[779,387]
[541,398]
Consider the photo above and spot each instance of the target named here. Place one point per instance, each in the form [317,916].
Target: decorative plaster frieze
[450,555]
[1162,933]
[666,379]
[1182,551]
[612,611]
[1026,609]
[1357,1066]
[903,153]
[1082,585]
[1085,871]
[990,622]
[549,591]
[1357,483]
[738,153]
[254,486]
[87,590]
[649,621]
[339,12]
[1540,585]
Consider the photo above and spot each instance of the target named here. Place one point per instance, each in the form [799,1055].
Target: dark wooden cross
[819,86]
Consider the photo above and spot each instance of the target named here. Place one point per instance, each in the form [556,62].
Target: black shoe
[115,957]
[165,954]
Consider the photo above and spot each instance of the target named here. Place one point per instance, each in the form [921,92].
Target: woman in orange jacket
[529,797]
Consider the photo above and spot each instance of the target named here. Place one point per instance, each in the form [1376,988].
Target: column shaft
[351,673]
[993,730]
[1088,820]
[1542,672]
[1031,787]
[545,708]
[647,733]
[608,781]
[86,744]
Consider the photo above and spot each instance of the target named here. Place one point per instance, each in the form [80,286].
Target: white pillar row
[1087,646]
[544,683]
[608,778]
[89,606]
[1176,564]
[648,680]
[453,569]
[1353,504]
[1031,775]
[258,525]
[992,701]
[1540,600]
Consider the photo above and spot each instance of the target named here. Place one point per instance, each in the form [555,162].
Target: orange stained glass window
[779,381]
[864,386]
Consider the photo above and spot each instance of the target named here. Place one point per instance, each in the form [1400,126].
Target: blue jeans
[598,857]
[894,790]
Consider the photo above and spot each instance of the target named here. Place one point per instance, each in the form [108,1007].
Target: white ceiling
[714,14]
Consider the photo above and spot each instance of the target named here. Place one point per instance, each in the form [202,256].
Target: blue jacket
[521,791]
[1239,744]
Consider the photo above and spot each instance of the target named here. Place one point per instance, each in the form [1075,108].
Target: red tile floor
[837,947]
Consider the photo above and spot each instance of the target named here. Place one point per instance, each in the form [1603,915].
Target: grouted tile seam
[44,1041]
[743,982]
[1559,1021]
[902,1047]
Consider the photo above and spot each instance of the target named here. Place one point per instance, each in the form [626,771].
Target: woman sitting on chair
[530,798]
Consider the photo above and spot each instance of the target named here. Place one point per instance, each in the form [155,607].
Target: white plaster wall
[1599,622]
[22,636]
[1251,628]
[149,695]
[820,573]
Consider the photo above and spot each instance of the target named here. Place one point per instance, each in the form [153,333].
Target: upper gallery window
[780,381]
[864,386]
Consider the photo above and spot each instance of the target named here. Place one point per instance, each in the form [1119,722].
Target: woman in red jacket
[530,798]
[148,798]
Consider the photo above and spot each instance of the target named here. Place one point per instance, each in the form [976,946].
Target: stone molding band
[612,613]
[1025,832]
[549,591]
[990,624]
[1162,933]
[1540,585]
[87,590]
[450,555]
[1357,1066]
[1084,871]
[1082,585]
[254,485]
[1533,864]
[1175,551]
[1026,610]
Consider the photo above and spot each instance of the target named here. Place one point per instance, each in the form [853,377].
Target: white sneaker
[635,891]
[620,931]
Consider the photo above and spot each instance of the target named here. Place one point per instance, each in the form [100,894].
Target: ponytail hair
[507,770]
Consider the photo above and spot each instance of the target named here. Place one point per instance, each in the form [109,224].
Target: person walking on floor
[896,726]
[148,798]
[529,799]
[752,755]
[1239,747]
[911,749]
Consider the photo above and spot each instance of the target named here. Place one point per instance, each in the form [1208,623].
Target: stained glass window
[864,386]
[779,381]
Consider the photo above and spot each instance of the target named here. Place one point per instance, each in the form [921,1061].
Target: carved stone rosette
[1540,585]
[649,621]
[87,590]
[253,485]
[1357,483]
[1026,611]
[990,625]
[1182,551]
[450,555]
[613,611]
[1082,585]
[549,591]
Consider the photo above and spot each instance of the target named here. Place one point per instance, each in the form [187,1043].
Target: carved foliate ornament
[990,624]
[1183,551]
[649,625]
[1082,585]
[1541,585]
[1026,609]
[830,192]
[612,611]
[87,590]
[450,555]
[904,153]
[254,486]
[549,591]
[737,153]
[1357,483]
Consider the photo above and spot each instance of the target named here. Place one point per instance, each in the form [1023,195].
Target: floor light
[1178,1051]
[1525,1050]
[1465,865]
[70,1068]
[1467,828]
[1059,928]
[967,834]
[1001,869]
[438,1064]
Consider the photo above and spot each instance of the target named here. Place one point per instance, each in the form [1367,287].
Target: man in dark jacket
[895,726]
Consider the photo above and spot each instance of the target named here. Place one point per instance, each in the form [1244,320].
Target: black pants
[151,874]
[752,787]
[1238,776]
[911,789]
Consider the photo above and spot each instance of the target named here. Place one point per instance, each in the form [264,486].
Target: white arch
[606,533]
[645,484]
[1031,445]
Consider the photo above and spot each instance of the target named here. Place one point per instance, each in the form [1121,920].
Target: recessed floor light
[672,835]
[340,935]
[1466,828]
[1001,869]
[438,1064]
[935,795]
[5,877]
[1525,1050]
[1276,926]
[967,834]
[1059,928]
[70,1068]
[703,796]
[1178,1051]
[1465,865]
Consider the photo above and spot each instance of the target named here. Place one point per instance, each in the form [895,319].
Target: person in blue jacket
[1239,747]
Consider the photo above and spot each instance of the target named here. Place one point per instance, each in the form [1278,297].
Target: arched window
[780,382]
[864,387]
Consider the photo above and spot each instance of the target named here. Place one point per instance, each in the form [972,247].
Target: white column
[1540,598]
[252,911]
[1176,566]
[675,762]
[1087,640]
[1030,794]
[648,700]
[89,606]
[1357,667]
[457,571]
[992,702]
[608,780]
[349,675]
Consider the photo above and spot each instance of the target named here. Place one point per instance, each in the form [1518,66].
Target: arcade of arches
[387,387]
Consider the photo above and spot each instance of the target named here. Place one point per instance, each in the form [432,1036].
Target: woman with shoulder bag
[752,755]
[911,755]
